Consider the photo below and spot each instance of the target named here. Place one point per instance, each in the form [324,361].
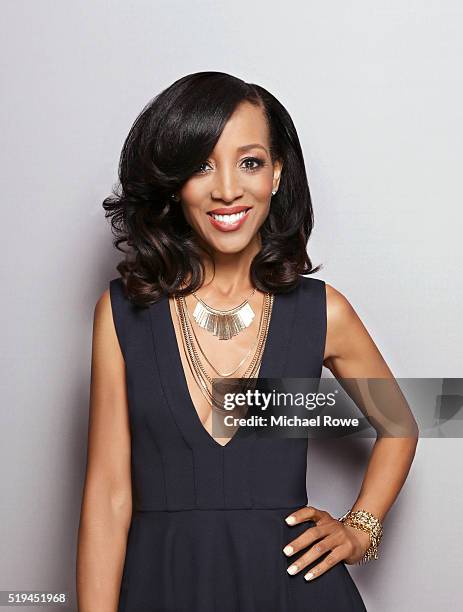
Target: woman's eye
[199,169]
[254,162]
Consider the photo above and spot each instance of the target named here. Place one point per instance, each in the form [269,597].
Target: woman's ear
[277,168]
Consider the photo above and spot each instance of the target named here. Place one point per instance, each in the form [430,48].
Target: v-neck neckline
[184,382]
[173,377]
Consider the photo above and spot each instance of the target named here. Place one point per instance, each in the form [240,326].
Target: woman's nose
[227,187]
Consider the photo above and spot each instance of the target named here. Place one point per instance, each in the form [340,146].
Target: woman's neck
[228,276]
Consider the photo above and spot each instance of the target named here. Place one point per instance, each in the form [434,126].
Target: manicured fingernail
[288,550]
[309,576]
[292,569]
[290,520]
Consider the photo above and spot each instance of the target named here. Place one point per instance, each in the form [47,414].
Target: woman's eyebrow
[251,146]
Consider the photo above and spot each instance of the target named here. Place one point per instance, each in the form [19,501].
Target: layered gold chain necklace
[192,346]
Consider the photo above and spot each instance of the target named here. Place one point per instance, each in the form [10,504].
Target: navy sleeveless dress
[208,529]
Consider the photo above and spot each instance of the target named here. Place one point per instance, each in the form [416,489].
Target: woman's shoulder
[104,331]
[340,314]
[339,309]
[103,305]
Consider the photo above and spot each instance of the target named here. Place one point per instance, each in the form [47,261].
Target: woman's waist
[142,510]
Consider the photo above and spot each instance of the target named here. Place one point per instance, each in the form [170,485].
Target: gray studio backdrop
[376,94]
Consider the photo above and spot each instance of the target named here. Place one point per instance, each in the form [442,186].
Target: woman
[215,207]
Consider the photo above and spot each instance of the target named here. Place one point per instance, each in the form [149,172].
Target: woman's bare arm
[352,356]
[107,496]
[351,353]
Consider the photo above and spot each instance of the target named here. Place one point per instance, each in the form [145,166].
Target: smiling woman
[215,206]
[236,178]
[216,146]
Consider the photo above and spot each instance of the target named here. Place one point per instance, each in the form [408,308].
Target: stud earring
[274,192]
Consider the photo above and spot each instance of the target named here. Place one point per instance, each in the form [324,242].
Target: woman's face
[228,198]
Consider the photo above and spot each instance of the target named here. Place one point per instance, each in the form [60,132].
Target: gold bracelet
[364,520]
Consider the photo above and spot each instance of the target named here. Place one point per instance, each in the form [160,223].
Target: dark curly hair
[174,133]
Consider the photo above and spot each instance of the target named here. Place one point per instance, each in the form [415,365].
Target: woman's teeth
[230,219]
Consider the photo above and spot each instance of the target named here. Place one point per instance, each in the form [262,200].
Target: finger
[324,547]
[307,538]
[336,556]
[306,513]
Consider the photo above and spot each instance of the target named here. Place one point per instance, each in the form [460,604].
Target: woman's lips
[229,223]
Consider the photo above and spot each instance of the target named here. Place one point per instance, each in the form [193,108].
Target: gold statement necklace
[224,323]
[252,347]
[195,364]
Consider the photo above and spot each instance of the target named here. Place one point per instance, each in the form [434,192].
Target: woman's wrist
[368,522]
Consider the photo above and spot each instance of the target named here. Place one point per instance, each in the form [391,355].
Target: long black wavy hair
[174,133]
